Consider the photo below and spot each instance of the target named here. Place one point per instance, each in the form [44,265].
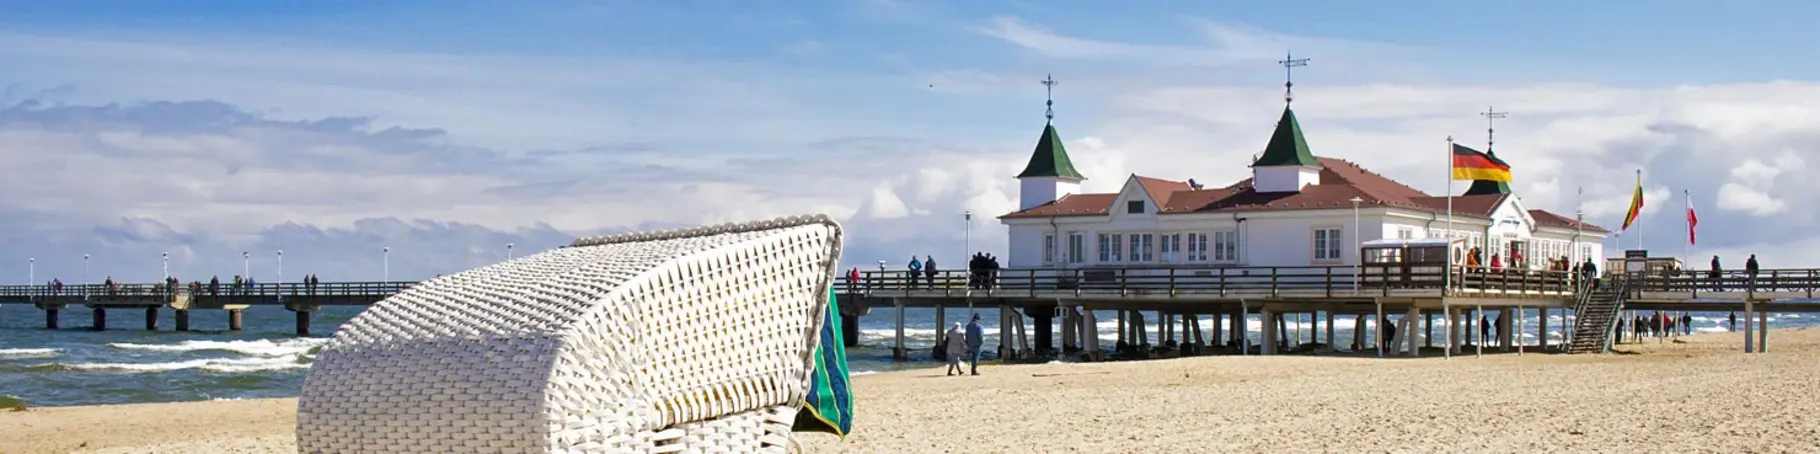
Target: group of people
[984,269]
[958,345]
[1662,324]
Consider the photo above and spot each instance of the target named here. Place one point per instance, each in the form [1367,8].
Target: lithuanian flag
[1636,203]
[1470,164]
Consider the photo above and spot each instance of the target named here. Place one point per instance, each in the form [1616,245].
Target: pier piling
[233,320]
[303,323]
[151,318]
[183,320]
[50,317]
[100,319]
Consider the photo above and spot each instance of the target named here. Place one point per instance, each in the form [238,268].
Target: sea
[126,364]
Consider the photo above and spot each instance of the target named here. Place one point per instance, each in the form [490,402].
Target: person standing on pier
[929,270]
[853,280]
[976,338]
[916,269]
[956,344]
[1750,269]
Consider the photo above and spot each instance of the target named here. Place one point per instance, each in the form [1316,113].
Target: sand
[1697,395]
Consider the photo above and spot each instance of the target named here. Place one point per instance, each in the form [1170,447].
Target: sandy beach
[1698,394]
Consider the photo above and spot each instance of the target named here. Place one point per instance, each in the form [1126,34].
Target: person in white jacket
[955,342]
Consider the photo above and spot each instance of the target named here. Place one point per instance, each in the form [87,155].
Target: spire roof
[1287,147]
[1050,159]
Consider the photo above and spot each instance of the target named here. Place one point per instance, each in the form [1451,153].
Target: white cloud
[517,156]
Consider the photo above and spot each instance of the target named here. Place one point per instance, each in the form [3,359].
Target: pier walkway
[1407,296]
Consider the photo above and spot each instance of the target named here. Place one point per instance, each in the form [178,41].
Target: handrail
[1331,280]
[1620,292]
[204,289]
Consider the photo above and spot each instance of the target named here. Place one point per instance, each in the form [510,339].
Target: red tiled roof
[1340,182]
[1069,205]
[1556,220]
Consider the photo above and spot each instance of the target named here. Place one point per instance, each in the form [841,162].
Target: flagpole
[1639,210]
[1447,280]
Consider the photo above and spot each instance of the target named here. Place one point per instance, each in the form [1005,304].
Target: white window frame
[1049,248]
[1406,233]
[1111,247]
[1142,247]
[1327,244]
[1197,246]
[1077,247]
[1225,246]
[1170,247]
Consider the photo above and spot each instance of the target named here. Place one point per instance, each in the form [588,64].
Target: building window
[1172,248]
[1134,207]
[1406,233]
[1197,247]
[1141,247]
[1110,247]
[1585,252]
[1076,248]
[1327,244]
[1226,246]
[1048,248]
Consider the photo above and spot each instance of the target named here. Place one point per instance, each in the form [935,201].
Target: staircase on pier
[1595,314]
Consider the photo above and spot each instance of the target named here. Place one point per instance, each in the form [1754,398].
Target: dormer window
[1134,207]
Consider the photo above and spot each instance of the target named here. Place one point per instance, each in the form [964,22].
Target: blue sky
[445,129]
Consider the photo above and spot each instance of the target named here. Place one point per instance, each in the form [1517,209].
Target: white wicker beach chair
[695,340]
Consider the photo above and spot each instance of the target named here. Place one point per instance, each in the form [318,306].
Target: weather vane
[1289,63]
[1049,104]
[1491,117]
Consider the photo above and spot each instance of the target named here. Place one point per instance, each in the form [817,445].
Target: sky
[406,139]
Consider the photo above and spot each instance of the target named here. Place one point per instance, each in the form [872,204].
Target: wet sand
[1698,394]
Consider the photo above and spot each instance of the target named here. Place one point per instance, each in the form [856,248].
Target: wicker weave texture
[695,340]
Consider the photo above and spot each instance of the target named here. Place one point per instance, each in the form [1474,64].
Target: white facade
[1284,178]
[1132,234]
[1035,191]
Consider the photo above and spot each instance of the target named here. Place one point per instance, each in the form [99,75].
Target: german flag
[1470,164]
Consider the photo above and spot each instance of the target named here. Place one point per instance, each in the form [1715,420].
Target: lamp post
[508,251]
[246,265]
[967,217]
[84,269]
[280,266]
[31,271]
[167,266]
[386,263]
[1360,261]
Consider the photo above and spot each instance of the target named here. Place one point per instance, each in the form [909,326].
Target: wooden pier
[1061,303]
[302,299]
[1409,297]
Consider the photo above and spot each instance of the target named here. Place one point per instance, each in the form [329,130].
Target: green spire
[1483,187]
[1050,158]
[1287,146]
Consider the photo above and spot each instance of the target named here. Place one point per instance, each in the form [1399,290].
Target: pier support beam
[849,330]
[1542,328]
[303,323]
[183,319]
[50,316]
[1428,329]
[939,352]
[1409,331]
[151,318]
[1763,332]
[1120,343]
[1043,318]
[100,319]
[1330,345]
[1268,345]
[234,320]
[898,352]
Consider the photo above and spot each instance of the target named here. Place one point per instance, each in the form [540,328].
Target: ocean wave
[234,365]
[262,347]
[29,352]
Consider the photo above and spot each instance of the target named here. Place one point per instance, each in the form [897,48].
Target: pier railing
[253,290]
[1331,281]
[1698,284]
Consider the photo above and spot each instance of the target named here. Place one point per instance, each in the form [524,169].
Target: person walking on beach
[1731,321]
[929,269]
[976,338]
[916,269]
[956,344]
[1619,331]
[1484,328]
[1687,324]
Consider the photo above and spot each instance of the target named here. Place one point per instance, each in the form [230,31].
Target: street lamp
[281,266]
[386,264]
[246,265]
[31,271]
[1359,261]
[508,251]
[167,266]
[968,217]
[84,269]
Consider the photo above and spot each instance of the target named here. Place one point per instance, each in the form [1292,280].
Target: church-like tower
[1286,164]
[1050,175]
